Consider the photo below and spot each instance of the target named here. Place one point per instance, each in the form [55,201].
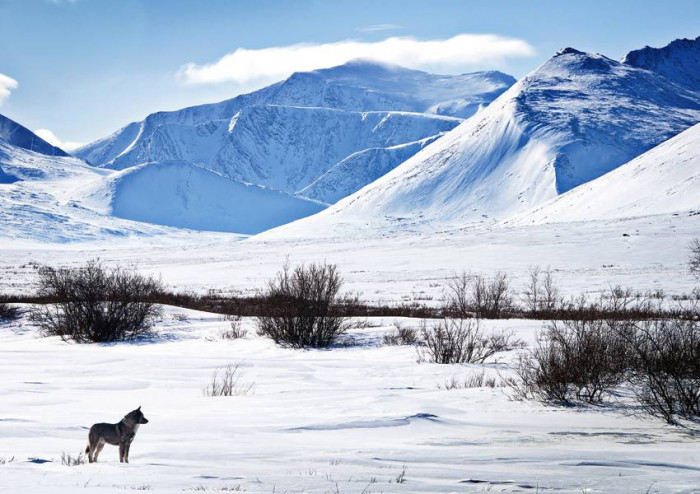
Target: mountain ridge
[20,136]
[573,119]
[267,137]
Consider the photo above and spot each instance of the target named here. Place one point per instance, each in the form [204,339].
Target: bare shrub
[619,301]
[458,294]
[181,317]
[95,303]
[226,381]
[72,461]
[498,297]
[578,360]
[401,335]
[541,295]
[8,312]
[304,307]
[469,294]
[401,476]
[666,367]
[461,341]
[236,330]
[476,380]
[694,261]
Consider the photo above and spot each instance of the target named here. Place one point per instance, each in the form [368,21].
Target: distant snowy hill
[290,134]
[63,199]
[40,199]
[572,120]
[665,179]
[15,134]
[182,195]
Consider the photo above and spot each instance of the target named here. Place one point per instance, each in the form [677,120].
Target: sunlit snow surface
[348,419]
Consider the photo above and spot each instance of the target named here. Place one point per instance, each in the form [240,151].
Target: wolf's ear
[139,408]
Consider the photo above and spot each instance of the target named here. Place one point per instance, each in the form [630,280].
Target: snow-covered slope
[41,200]
[361,168]
[179,194]
[290,134]
[364,85]
[678,61]
[279,146]
[665,179]
[63,199]
[573,119]
[17,135]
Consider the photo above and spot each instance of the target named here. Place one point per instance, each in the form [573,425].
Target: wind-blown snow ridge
[665,179]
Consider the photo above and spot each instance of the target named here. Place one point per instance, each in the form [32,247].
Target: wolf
[120,434]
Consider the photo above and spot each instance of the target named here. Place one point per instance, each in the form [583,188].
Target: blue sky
[84,68]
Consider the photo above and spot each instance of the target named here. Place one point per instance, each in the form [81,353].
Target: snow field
[347,419]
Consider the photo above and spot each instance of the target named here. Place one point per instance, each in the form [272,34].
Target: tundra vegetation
[588,350]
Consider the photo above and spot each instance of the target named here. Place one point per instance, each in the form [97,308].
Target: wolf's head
[136,417]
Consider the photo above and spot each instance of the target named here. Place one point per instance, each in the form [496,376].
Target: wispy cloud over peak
[457,53]
[379,27]
[52,139]
[7,84]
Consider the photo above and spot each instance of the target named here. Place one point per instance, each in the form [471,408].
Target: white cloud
[379,27]
[51,138]
[244,65]
[7,84]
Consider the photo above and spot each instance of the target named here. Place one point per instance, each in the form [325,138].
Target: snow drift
[178,194]
[665,179]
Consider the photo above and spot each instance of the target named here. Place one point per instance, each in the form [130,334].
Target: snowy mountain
[278,146]
[290,134]
[361,168]
[678,61]
[179,194]
[15,134]
[40,199]
[61,198]
[665,179]
[573,119]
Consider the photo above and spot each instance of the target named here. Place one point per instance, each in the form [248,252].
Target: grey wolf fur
[120,434]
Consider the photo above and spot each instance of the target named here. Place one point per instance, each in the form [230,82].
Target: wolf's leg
[91,444]
[127,447]
[121,452]
[97,450]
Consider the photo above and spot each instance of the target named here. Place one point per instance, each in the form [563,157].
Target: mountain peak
[678,61]
[569,61]
[20,136]
[367,64]
[568,50]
